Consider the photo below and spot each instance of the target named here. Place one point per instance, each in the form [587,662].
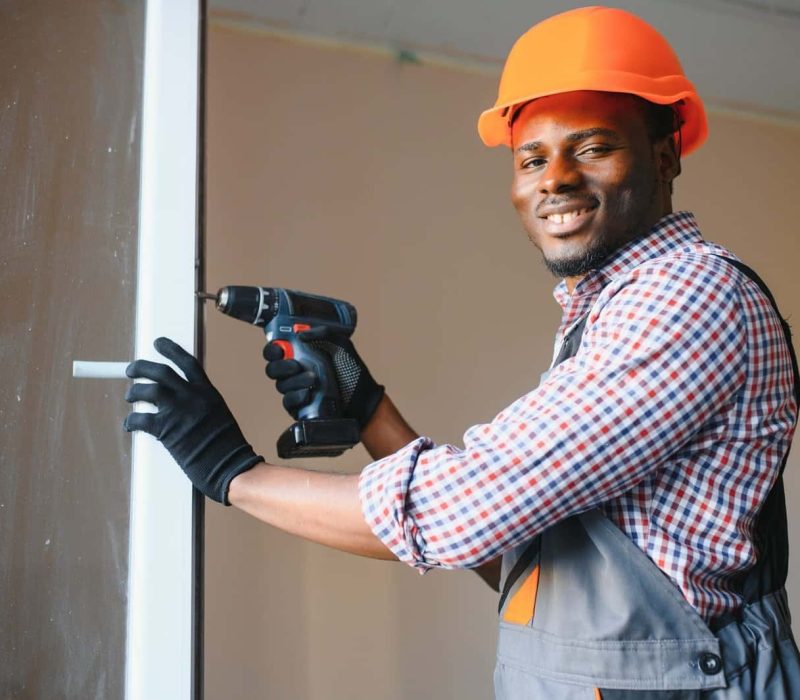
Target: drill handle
[326,399]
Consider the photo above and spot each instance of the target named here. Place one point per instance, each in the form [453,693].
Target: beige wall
[349,174]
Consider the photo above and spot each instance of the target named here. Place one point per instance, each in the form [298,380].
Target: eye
[597,149]
[535,162]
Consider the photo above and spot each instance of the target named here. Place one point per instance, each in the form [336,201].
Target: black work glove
[360,393]
[192,422]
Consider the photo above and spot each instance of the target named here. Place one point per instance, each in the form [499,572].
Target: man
[634,498]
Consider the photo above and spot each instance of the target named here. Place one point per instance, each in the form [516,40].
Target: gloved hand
[360,393]
[192,422]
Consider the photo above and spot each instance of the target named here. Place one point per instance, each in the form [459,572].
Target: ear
[667,160]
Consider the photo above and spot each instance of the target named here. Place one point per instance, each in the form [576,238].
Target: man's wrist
[386,431]
[368,402]
[221,465]
[241,487]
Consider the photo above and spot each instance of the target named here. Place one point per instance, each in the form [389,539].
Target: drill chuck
[255,305]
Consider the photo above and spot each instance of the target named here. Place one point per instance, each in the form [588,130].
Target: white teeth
[566,217]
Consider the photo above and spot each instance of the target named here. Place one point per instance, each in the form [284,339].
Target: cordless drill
[320,431]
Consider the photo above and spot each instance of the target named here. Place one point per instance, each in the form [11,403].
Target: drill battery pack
[327,437]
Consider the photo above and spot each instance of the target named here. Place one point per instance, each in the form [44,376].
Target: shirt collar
[672,232]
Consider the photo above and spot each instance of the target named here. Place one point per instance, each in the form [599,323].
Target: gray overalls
[585,614]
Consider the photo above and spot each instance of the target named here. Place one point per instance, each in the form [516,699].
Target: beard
[587,260]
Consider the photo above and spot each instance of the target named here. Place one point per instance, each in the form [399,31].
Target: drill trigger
[286,346]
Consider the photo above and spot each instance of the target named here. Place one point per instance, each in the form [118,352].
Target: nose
[560,175]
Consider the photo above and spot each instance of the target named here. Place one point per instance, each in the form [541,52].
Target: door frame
[163,645]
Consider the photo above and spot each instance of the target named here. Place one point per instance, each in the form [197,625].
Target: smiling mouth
[569,216]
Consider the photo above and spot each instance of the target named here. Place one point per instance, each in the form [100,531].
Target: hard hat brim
[494,128]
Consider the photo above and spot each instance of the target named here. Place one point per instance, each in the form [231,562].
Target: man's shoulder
[698,264]
[696,279]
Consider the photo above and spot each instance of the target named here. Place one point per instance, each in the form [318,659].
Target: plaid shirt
[673,418]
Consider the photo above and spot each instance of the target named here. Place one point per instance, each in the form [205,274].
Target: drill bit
[205,296]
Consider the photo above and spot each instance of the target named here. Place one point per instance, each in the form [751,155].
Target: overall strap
[771,532]
[787,331]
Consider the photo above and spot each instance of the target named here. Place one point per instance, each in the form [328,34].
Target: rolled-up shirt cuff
[383,491]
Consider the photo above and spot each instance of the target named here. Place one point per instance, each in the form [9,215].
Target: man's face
[587,178]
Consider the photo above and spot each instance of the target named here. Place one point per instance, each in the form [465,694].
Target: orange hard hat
[594,48]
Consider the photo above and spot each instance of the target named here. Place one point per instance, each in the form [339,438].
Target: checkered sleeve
[661,353]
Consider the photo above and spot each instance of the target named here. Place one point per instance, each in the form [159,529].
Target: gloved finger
[155,371]
[280,369]
[316,333]
[272,352]
[146,422]
[144,392]
[304,380]
[296,399]
[185,361]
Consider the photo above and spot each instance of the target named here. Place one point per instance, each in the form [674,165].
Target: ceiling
[741,54]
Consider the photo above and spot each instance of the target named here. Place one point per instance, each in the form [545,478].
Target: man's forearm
[320,507]
[323,507]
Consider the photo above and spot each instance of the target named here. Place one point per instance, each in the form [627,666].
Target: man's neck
[572,282]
